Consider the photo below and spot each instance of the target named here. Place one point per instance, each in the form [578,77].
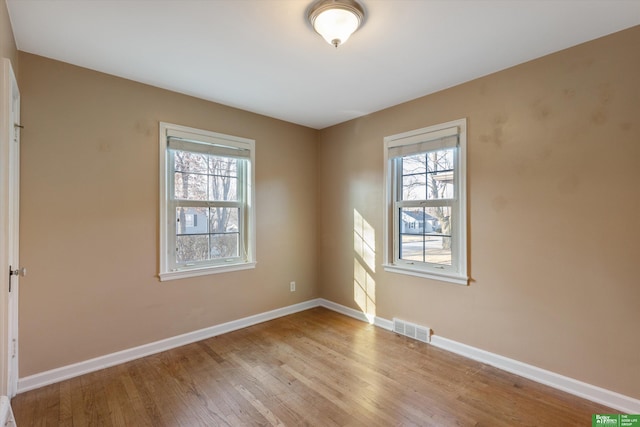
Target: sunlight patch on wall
[364,241]
[364,291]
[364,261]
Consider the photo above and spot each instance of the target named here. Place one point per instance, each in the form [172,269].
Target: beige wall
[7,42]
[554,202]
[89,217]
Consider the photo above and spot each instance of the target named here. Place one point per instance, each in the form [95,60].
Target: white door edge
[9,220]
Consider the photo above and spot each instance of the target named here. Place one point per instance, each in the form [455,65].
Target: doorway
[9,226]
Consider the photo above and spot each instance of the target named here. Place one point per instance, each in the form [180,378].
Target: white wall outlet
[292,286]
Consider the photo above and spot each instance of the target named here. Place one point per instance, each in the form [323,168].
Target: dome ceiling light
[336,20]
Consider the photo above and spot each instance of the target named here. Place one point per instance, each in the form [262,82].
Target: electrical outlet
[292,286]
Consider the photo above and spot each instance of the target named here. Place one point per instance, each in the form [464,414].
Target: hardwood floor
[316,368]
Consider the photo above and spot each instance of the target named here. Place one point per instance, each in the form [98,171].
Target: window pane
[440,174]
[223,188]
[414,187]
[415,164]
[225,166]
[191,220]
[414,178]
[223,220]
[189,186]
[425,234]
[186,161]
[192,248]
[223,181]
[224,245]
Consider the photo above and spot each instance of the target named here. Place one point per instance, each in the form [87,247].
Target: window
[206,202]
[426,202]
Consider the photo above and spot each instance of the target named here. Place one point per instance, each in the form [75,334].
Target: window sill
[444,277]
[204,271]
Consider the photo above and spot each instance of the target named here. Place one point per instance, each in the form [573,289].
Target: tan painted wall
[89,217]
[7,42]
[554,203]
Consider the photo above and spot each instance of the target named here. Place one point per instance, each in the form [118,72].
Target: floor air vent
[411,330]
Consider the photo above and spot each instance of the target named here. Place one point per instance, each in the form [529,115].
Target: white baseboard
[596,394]
[609,398]
[70,371]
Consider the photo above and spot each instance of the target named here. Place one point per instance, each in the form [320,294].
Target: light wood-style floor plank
[314,368]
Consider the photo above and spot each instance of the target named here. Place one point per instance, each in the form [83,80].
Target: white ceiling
[262,55]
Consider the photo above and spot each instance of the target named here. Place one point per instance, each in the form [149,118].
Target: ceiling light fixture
[336,20]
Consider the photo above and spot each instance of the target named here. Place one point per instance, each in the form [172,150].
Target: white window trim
[166,271]
[457,274]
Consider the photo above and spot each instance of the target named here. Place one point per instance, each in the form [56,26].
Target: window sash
[398,177]
[173,235]
[241,176]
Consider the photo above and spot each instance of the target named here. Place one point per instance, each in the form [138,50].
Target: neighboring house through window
[206,202]
[426,202]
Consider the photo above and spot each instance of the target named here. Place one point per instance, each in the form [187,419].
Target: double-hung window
[206,202]
[426,202]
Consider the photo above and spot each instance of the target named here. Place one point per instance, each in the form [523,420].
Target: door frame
[9,224]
